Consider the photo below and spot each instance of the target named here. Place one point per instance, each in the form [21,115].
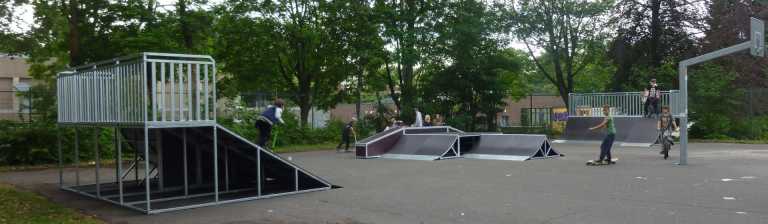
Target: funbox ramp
[424,147]
[377,144]
[630,131]
[515,147]
[245,170]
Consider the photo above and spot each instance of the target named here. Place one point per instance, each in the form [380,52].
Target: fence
[623,104]
[152,87]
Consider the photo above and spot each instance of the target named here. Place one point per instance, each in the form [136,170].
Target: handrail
[171,88]
[623,104]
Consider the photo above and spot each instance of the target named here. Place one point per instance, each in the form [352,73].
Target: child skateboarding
[666,126]
[605,147]
[349,129]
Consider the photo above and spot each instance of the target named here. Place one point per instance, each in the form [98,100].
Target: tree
[409,30]
[565,30]
[474,76]
[356,26]
[282,46]
[650,34]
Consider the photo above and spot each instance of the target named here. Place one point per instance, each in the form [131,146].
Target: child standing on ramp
[605,147]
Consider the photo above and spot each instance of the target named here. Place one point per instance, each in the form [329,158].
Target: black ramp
[429,130]
[422,147]
[642,132]
[510,147]
[629,130]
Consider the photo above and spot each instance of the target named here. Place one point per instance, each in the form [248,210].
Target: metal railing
[623,104]
[157,88]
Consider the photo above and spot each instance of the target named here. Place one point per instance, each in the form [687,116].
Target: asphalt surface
[724,183]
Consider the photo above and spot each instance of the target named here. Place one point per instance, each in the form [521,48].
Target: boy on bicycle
[666,126]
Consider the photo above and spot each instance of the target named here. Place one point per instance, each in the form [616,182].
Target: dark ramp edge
[427,145]
[628,129]
[378,144]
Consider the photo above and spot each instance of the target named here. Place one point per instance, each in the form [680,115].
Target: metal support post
[77,157]
[98,161]
[215,164]
[186,165]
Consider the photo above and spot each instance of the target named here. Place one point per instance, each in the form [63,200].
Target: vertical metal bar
[197,92]
[77,157]
[258,173]
[184,155]
[173,91]
[213,77]
[154,91]
[146,166]
[98,161]
[296,178]
[190,108]
[162,92]
[181,92]
[215,164]
[120,165]
[207,108]
[684,114]
[146,130]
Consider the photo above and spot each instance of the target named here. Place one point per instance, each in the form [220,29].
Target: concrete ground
[724,183]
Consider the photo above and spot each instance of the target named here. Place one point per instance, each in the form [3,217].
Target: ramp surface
[378,144]
[423,147]
[630,131]
[511,147]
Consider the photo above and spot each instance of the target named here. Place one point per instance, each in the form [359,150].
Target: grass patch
[307,148]
[18,206]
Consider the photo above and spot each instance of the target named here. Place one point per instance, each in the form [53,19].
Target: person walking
[652,95]
[610,135]
[418,122]
[349,129]
[666,126]
[268,119]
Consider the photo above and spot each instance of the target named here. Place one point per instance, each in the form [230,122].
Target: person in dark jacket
[270,117]
[349,129]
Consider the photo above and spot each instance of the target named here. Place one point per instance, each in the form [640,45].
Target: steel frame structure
[153,92]
[623,104]
[756,46]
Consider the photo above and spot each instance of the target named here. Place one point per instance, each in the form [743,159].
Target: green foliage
[36,143]
[288,134]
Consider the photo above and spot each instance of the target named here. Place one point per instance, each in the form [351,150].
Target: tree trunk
[359,95]
[184,23]
[656,33]
[73,42]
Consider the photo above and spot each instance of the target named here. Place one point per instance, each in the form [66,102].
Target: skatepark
[723,183]
[141,124]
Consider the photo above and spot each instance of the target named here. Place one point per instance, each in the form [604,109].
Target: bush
[290,133]
[36,143]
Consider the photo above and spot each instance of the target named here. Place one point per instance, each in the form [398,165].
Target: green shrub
[36,143]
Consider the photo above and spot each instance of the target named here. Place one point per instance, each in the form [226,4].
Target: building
[14,72]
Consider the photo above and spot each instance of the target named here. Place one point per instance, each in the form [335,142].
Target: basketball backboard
[757,30]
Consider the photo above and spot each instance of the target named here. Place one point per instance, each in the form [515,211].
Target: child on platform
[605,147]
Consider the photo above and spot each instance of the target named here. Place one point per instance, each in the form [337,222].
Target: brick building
[13,73]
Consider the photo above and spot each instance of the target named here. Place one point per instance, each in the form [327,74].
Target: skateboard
[592,162]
